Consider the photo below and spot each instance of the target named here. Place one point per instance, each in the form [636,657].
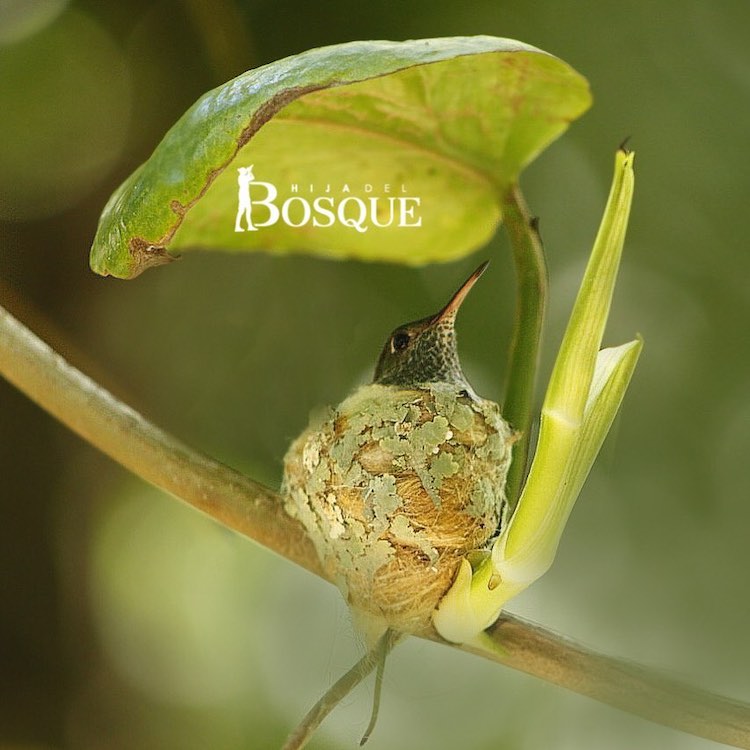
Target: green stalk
[531,303]
[572,375]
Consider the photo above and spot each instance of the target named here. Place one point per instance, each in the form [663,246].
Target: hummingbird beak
[450,310]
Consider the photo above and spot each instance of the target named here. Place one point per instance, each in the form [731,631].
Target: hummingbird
[425,351]
[399,482]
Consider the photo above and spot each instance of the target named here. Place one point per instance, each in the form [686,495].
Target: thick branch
[257,512]
[625,685]
[114,428]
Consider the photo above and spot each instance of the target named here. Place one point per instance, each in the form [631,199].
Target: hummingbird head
[425,351]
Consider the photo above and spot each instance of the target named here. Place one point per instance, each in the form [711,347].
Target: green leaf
[451,120]
[537,536]
[584,394]
[547,496]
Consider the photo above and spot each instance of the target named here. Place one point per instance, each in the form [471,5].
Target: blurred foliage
[127,620]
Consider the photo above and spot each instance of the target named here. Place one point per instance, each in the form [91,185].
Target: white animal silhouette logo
[321,210]
[244,204]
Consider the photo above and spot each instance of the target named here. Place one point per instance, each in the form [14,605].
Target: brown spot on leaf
[177,207]
[267,110]
[146,255]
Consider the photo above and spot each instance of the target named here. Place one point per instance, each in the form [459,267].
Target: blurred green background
[129,621]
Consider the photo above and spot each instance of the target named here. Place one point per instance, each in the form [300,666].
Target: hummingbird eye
[399,341]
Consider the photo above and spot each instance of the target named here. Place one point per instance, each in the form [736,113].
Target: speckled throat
[431,358]
[425,351]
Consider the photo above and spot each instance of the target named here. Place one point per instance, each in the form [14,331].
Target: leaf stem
[257,512]
[531,303]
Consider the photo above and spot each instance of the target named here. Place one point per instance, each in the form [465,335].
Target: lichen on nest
[394,487]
